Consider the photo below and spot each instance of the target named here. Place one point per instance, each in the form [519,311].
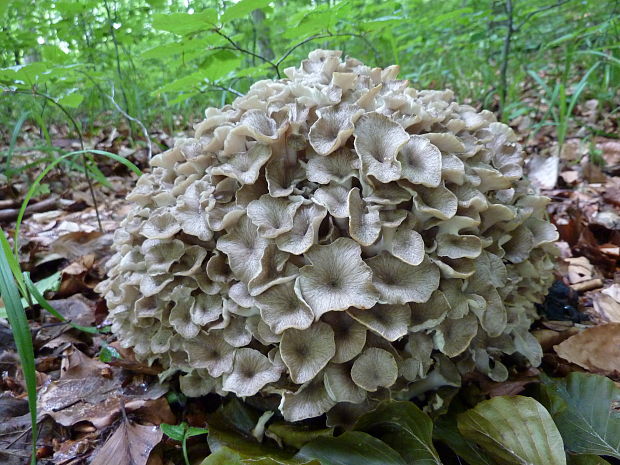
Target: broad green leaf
[585,408]
[187,45]
[71,100]
[108,353]
[585,460]
[514,431]
[298,435]
[23,339]
[351,448]
[242,8]
[404,427]
[447,432]
[228,456]
[184,23]
[231,426]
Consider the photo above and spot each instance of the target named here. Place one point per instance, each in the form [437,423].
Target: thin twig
[145,132]
[228,89]
[540,10]
[248,52]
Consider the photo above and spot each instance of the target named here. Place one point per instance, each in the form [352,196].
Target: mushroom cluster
[332,238]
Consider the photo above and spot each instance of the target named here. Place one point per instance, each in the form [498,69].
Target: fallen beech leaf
[607,303]
[131,444]
[579,269]
[76,244]
[596,349]
[543,171]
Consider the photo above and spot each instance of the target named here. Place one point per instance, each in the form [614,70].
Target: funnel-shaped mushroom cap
[259,126]
[429,314]
[305,229]
[194,385]
[458,246]
[349,334]
[338,167]
[408,246]
[273,216]
[377,142]
[333,128]
[245,166]
[421,162]
[281,309]
[335,198]
[161,225]
[453,337]
[388,321]
[306,352]
[364,221]
[399,282]
[337,279]
[244,247]
[251,372]
[339,385]
[210,351]
[310,400]
[374,368]
[190,210]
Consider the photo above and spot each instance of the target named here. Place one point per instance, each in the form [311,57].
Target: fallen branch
[10,214]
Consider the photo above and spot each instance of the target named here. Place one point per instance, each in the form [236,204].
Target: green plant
[182,433]
[21,331]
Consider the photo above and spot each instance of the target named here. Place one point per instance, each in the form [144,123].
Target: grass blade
[48,168]
[23,339]
[46,305]
[13,265]
[16,131]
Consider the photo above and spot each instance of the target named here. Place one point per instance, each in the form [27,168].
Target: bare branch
[540,10]
[135,120]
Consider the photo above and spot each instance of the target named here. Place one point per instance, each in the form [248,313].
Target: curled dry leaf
[596,349]
[607,304]
[131,444]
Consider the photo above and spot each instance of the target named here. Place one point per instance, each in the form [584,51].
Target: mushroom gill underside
[330,239]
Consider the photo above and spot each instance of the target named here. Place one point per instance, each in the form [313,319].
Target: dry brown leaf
[131,444]
[543,171]
[607,303]
[596,349]
[579,269]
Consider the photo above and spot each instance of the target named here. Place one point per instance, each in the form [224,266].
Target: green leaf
[585,408]
[297,435]
[585,460]
[242,8]
[108,353]
[514,430]
[175,432]
[351,448]
[23,339]
[14,135]
[194,431]
[447,432]
[184,23]
[228,456]
[404,427]
[71,100]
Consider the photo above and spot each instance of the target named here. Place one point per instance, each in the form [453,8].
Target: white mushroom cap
[337,279]
[251,371]
[306,352]
[374,368]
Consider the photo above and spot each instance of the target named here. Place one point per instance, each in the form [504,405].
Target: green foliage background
[163,59]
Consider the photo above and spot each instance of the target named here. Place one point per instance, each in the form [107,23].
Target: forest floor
[95,400]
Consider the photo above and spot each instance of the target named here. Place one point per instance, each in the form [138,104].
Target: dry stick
[79,133]
[136,120]
[248,52]
[9,214]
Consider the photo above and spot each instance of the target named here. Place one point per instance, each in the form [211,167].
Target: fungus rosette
[332,238]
